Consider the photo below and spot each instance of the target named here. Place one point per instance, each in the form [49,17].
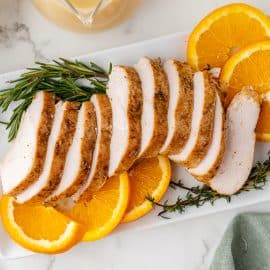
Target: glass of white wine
[86,15]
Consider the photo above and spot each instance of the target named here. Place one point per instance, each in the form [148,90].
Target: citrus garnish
[150,177]
[39,228]
[104,211]
[250,67]
[263,126]
[223,32]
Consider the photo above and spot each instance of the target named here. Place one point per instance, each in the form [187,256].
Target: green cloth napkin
[245,244]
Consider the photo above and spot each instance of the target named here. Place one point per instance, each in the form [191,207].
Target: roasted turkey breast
[125,93]
[196,147]
[208,166]
[79,156]
[155,91]
[180,106]
[60,139]
[241,120]
[24,162]
[101,156]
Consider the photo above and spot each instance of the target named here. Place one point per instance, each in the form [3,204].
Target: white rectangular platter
[172,46]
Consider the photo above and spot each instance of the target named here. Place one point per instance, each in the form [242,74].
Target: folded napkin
[245,244]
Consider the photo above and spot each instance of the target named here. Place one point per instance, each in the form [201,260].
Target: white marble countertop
[25,36]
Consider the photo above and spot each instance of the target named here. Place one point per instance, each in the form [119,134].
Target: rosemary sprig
[199,195]
[61,77]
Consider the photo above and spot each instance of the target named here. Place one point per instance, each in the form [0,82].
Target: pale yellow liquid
[84,3]
[111,13]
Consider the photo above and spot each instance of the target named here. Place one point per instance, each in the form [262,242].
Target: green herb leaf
[62,77]
[199,195]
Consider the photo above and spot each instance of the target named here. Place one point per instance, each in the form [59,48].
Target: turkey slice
[196,147]
[180,106]
[208,166]
[101,156]
[125,93]
[241,120]
[155,91]
[80,153]
[24,162]
[60,139]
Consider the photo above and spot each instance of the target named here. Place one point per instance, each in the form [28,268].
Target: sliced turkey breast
[60,139]
[80,153]
[208,166]
[180,106]
[24,162]
[241,120]
[125,93]
[155,91]
[196,147]
[101,156]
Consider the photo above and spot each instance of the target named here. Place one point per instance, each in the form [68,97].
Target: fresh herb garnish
[61,77]
[199,195]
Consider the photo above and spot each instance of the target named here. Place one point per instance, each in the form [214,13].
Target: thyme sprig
[62,77]
[199,195]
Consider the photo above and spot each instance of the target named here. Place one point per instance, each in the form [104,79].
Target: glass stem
[86,19]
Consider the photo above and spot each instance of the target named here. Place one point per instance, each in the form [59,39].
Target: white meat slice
[101,156]
[24,162]
[208,166]
[155,89]
[241,120]
[60,139]
[125,93]
[180,106]
[200,136]
[80,153]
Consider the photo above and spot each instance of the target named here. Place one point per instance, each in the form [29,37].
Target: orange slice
[223,32]
[105,210]
[150,177]
[39,228]
[250,67]
[263,126]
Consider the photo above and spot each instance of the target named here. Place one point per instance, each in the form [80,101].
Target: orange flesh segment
[40,228]
[142,182]
[263,126]
[105,210]
[225,31]
[150,177]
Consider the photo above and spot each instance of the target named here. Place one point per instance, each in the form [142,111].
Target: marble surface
[25,36]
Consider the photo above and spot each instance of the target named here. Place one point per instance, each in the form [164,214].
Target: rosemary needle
[61,77]
[199,195]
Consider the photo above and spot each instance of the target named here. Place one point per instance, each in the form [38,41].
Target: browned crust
[63,143]
[43,133]
[161,104]
[134,115]
[103,159]
[206,126]
[184,109]
[205,178]
[87,148]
